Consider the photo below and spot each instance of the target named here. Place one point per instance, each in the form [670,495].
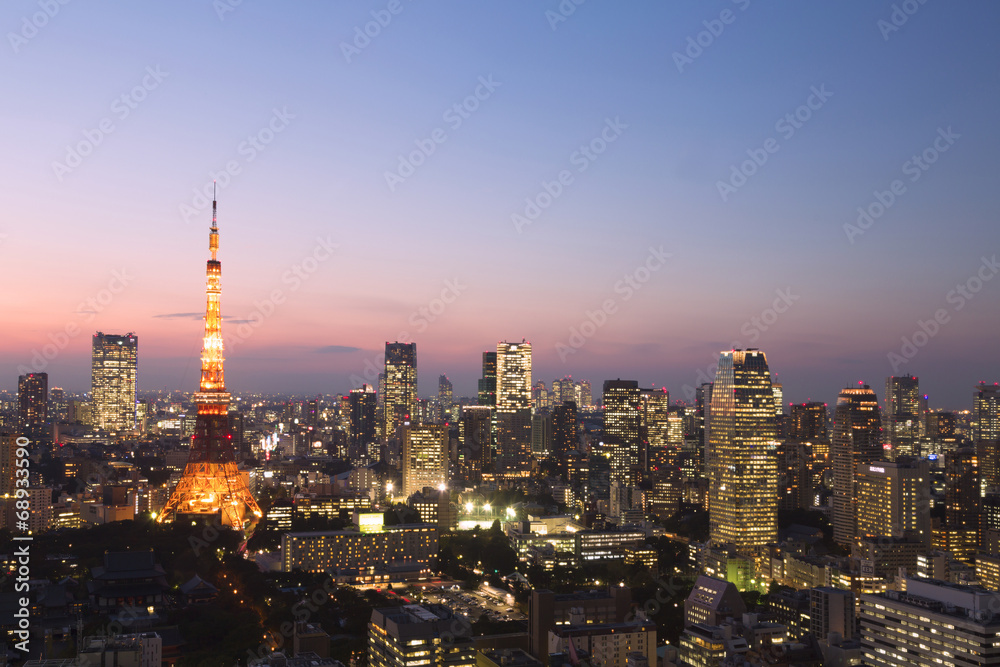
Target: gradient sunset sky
[212,75]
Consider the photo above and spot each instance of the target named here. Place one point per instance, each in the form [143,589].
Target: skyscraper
[986,412]
[586,395]
[58,405]
[808,422]
[445,393]
[857,439]
[488,383]
[902,414]
[962,500]
[211,487]
[425,456]
[622,425]
[703,402]
[742,461]
[476,435]
[115,360]
[513,409]
[540,396]
[32,400]
[400,399]
[564,438]
[361,407]
[893,500]
[658,432]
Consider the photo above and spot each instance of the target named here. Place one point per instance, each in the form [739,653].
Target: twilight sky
[372,177]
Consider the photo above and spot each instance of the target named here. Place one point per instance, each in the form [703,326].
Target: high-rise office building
[400,400]
[808,422]
[32,400]
[661,432]
[622,426]
[893,500]
[857,439]
[703,407]
[564,438]
[961,502]
[425,456]
[540,396]
[986,412]
[115,360]
[445,393]
[58,407]
[742,458]
[541,434]
[361,415]
[902,415]
[476,440]
[586,395]
[488,383]
[513,409]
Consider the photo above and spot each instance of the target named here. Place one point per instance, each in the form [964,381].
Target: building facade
[742,459]
[114,364]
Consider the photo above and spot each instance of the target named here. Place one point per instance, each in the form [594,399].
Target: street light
[486,507]
[468,507]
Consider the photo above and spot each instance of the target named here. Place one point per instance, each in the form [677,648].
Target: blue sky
[344,123]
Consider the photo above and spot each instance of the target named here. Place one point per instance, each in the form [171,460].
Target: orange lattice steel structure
[212,485]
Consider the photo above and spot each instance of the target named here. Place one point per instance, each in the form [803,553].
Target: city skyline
[642,225]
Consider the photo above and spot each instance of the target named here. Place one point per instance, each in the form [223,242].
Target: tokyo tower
[211,486]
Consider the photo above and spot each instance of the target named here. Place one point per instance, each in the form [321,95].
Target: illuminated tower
[212,487]
[400,396]
[857,439]
[742,453]
[513,409]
